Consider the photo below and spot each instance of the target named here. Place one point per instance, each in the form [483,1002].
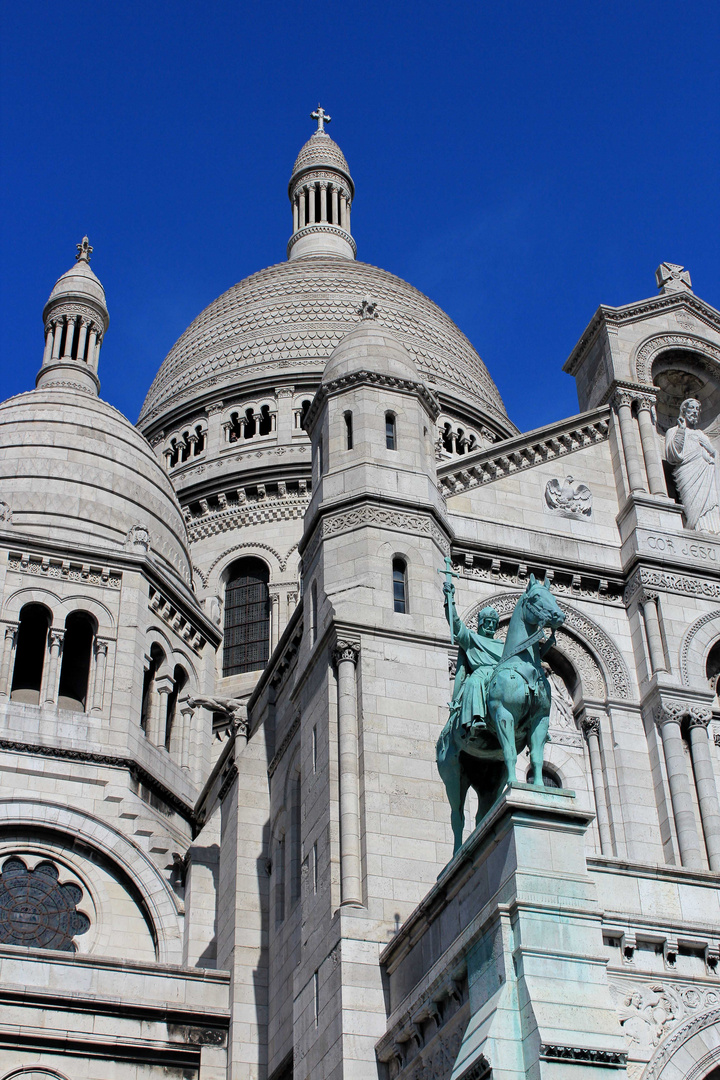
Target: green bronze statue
[501,699]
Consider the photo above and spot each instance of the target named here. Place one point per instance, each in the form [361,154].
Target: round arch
[647,352]
[160,901]
[695,1039]
[695,646]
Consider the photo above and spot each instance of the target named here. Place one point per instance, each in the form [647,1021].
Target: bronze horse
[518,713]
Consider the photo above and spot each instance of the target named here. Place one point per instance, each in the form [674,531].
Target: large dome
[291,316]
[75,470]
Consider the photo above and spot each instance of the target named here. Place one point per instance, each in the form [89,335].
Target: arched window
[399,570]
[250,424]
[265,425]
[157,656]
[75,671]
[304,409]
[550,779]
[35,620]
[348,431]
[712,667]
[390,435]
[295,839]
[179,681]
[246,644]
[313,614]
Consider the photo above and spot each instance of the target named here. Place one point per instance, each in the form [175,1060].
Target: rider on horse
[478,654]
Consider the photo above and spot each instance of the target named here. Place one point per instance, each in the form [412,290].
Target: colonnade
[643,463]
[50,684]
[86,347]
[334,206]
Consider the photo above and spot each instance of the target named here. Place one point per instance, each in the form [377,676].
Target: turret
[321,193]
[75,319]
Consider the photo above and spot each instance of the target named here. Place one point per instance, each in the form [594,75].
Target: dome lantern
[75,319]
[321,191]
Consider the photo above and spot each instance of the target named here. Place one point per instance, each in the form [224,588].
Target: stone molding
[346,650]
[169,613]
[372,514]
[598,643]
[280,752]
[321,227]
[45,566]
[671,710]
[686,1030]
[611,1058]
[523,452]
[246,545]
[590,725]
[239,515]
[647,352]
[612,318]
[374,378]
[667,581]
[71,310]
[581,586]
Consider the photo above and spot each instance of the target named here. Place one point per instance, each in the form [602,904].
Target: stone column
[186,716]
[57,337]
[623,404]
[323,200]
[295,213]
[101,651]
[70,336]
[292,600]
[93,348]
[48,345]
[8,656]
[334,205]
[347,215]
[302,207]
[284,414]
[343,211]
[668,717]
[82,338]
[157,714]
[274,619]
[346,658]
[650,603]
[705,782]
[648,440]
[591,731]
[55,640]
[311,204]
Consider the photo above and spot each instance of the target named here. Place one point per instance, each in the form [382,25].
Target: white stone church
[225,848]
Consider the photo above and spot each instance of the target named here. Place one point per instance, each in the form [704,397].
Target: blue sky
[519,163]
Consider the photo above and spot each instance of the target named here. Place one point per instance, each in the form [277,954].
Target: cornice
[373,378]
[321,227]
[524,451]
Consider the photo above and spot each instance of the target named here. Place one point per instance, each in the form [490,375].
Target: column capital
[623,396]
[164,684]
[590,725]
[346,650]
[56,638]
[645,400]
[11,630]
[101,647]
[699,716]
[668,711]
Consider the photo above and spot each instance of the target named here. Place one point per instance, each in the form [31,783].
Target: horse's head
[540,607]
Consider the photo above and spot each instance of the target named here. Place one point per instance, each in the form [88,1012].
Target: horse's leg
[504,723]
[536,742]
[456,784]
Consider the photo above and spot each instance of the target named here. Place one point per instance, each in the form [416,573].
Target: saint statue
[693,457]
[478,653]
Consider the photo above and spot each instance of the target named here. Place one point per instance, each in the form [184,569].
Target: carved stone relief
[568,498]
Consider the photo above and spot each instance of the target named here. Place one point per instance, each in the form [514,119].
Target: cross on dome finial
[367,309]
[321,116]
[84,251]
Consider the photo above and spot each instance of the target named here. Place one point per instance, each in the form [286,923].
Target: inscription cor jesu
[701,552]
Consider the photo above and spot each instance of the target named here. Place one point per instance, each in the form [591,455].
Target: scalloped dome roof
[75,470]
[289,318]
[320,151]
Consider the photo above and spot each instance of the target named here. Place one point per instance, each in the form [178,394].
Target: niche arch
[154,892]
[648,351]
[695,646]
[694,1039]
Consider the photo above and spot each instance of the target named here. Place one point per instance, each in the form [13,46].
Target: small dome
[370,348]
[320,152]
[74,470]
[78,285]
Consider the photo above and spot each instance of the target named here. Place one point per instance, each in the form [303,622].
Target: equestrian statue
[501,699]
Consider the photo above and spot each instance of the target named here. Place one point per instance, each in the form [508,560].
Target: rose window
[36,910]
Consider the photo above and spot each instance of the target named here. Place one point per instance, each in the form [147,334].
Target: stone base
[514,922]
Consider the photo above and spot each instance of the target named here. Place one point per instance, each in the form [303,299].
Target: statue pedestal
[515,915]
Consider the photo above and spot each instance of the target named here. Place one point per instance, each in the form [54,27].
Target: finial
[672,278]
[367,309]
[321,116]
[84,251]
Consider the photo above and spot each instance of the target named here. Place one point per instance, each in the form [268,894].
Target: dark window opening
[447,439]
[313,614]
[712,666]
[199,441]
[390,441]
[175,453]
[348,431]
[75,670]
[265,425]
[550,780]
[399,569]
[305,408]
[179,680]
[30,654]
[186,446]
[63,338]
[250,426]
[156,658]
[246,644]
[320,457]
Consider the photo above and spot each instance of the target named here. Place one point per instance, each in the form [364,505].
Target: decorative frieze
[374,378]
[647,577]
[170,615]
[372,514]
[45,566]
[484,567]
[239,508]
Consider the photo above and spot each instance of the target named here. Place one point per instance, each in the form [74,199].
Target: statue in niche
[561,703]
[569,498]
[693,458]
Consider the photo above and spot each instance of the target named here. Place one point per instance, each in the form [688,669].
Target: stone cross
[672,278]
[321,116]
[449,575]
[84,251]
